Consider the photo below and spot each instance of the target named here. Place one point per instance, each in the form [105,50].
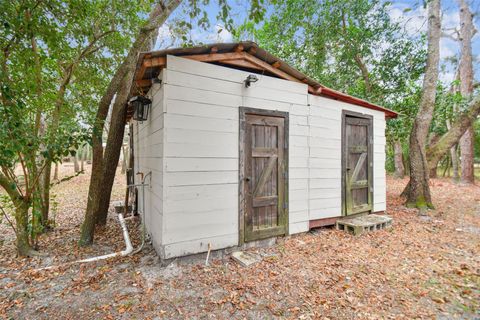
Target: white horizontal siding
[191,144]
[325,155]
[148,152]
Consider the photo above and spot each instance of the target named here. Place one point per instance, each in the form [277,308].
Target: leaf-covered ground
[423,267]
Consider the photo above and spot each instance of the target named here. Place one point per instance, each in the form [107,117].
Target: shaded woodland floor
[423,267]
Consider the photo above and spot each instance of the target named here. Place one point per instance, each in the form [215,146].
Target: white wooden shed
[234,160]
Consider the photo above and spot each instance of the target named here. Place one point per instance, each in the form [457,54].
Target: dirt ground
[423,267]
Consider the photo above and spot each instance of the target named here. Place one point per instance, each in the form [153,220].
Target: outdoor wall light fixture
[141,106]
[250,79]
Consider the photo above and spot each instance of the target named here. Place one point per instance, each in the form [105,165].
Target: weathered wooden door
[263,175]
[358,164]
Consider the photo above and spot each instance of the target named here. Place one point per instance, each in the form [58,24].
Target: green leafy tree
[105,160]
[351,46]
[55,59]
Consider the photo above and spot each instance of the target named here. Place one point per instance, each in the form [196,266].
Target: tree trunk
[454,157]
[82,158]
[21,216]
[466,88]
[433,168]
[124,160]
[464,121]
[24,248]
[112,150]
[97,201]
[398,157]
[418,189]
[466,151]
[45,193]
[55,174]
[76,167]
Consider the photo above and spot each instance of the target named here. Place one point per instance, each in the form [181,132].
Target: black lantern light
[141,106]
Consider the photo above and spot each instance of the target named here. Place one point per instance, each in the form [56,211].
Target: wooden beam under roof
[216,57]
[276,64]
[267,67]
[241,63]
[149,63]
[241,59]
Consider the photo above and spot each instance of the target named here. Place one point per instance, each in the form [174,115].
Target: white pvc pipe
[128,245]
[128,249]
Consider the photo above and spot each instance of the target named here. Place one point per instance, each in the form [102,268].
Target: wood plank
[358,167]
[264,152]
[216,57]
[267,171]
[317,223]
[154,62]
[218,72]
[241,63]
[265,201]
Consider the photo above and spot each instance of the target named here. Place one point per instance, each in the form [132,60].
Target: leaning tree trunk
[97,203]
[418,189]
[398,157]
[463,121]
[466,88]
[113,148]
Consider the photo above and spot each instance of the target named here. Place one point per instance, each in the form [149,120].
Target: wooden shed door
[265,170]
[358,164]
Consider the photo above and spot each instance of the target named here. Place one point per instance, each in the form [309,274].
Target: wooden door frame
[243,111]
[345,114]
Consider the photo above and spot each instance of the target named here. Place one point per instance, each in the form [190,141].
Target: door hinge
[285,174]
[285,205]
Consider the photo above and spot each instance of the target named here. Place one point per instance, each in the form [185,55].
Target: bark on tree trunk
[464,121]
[21,219]
[454,157]
[466,150]
[432,174]
[399,167]
[466,88]
[124,160]
[114,145]
[418,189]
[55,174]
[22,205]
[102,165]
[76,167]
[82,158]
[45,193]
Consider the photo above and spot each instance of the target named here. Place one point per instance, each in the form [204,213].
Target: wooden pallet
[359,225]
